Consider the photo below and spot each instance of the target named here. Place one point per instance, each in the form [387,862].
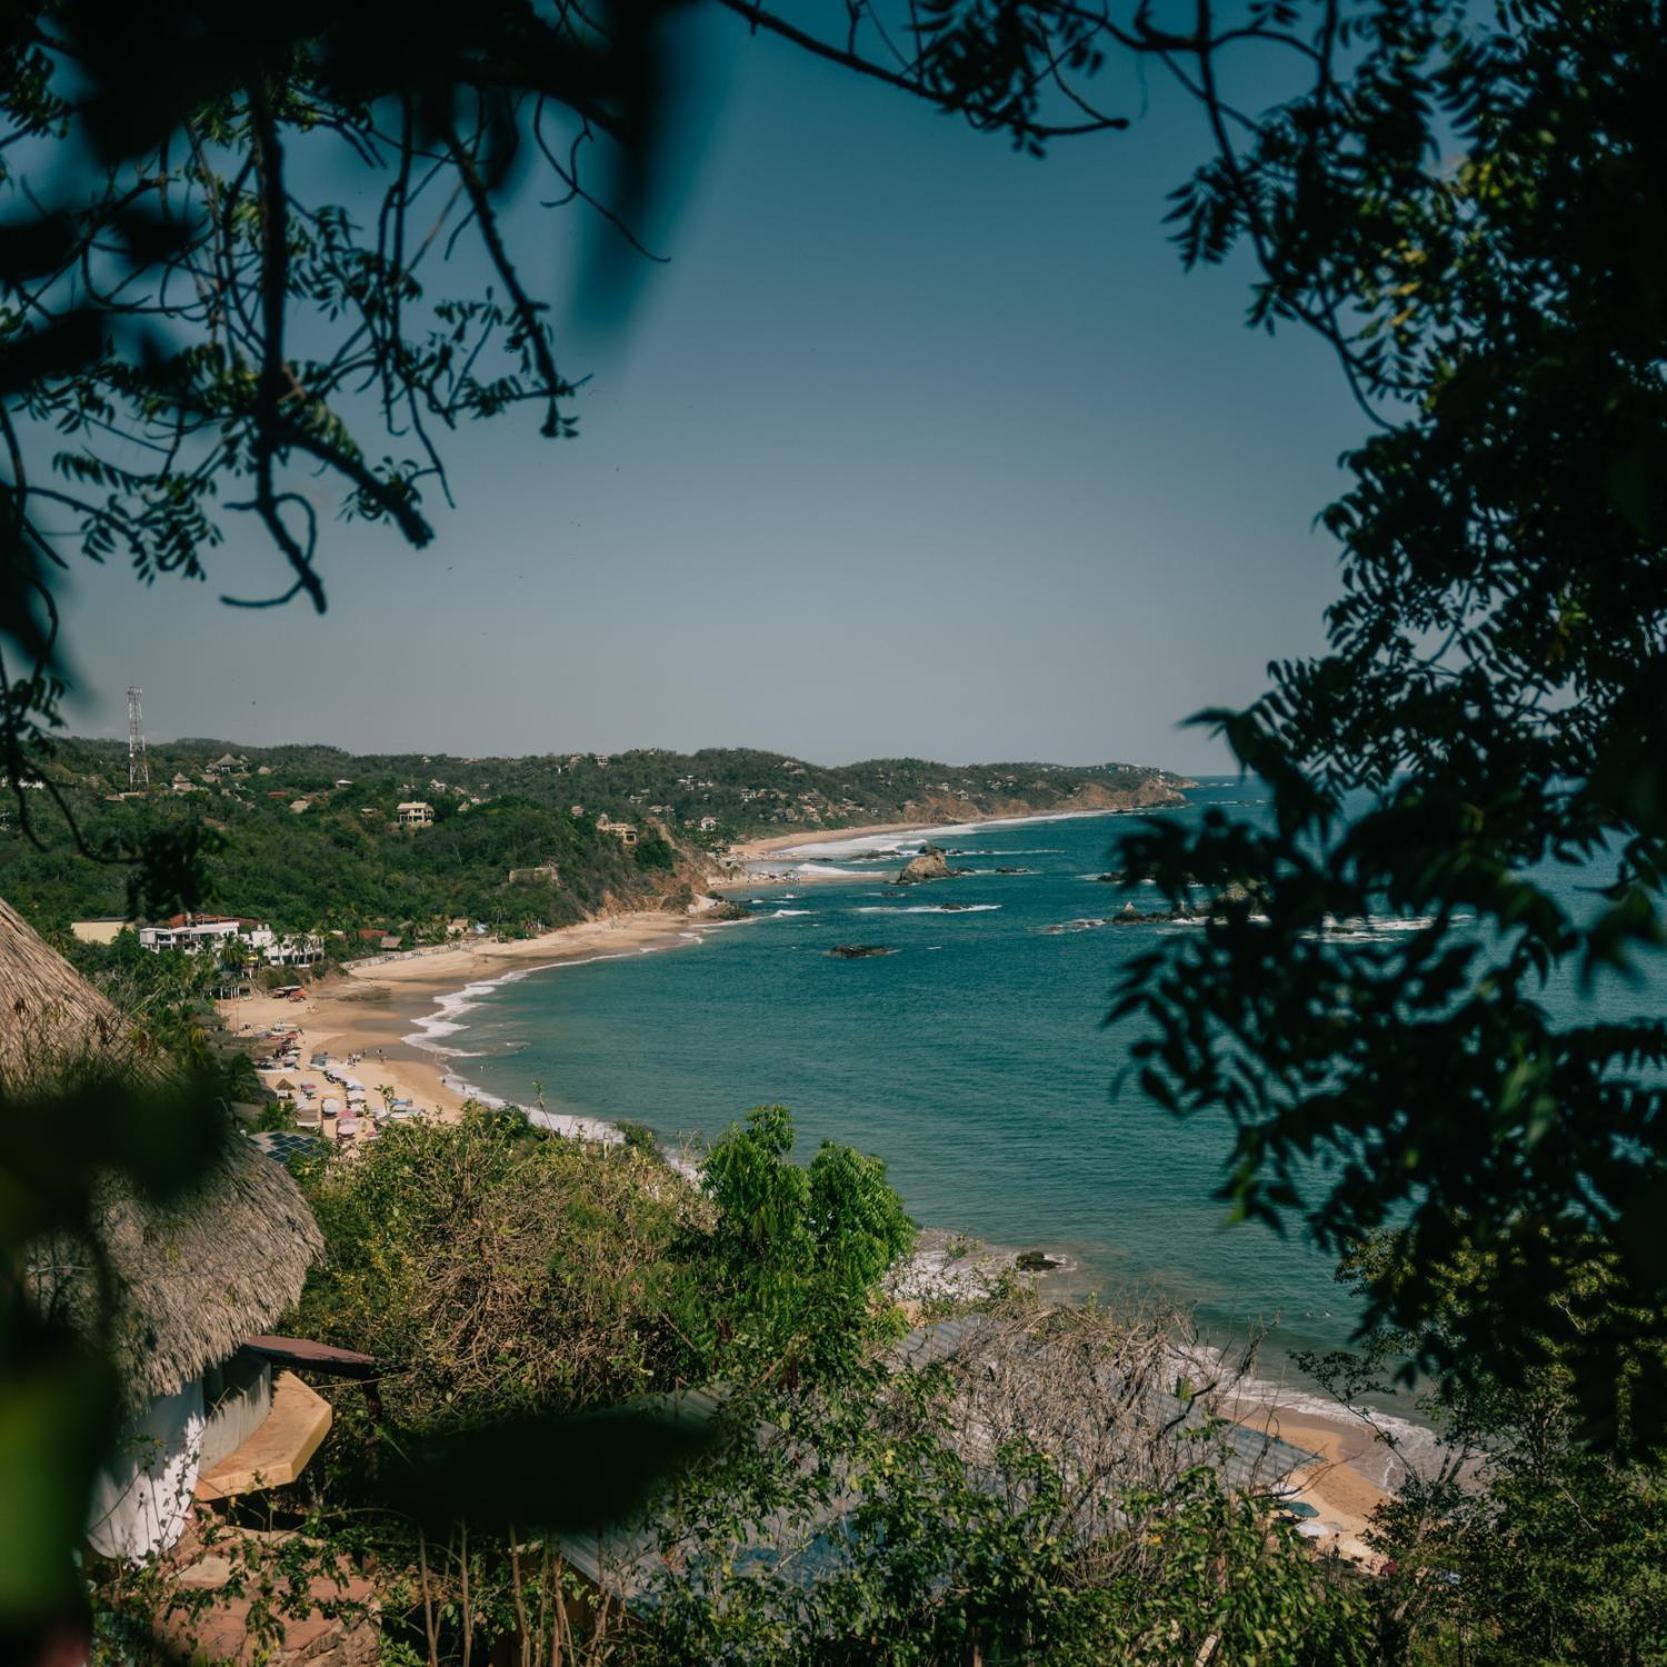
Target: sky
[914,446]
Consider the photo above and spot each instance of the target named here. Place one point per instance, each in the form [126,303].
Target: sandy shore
[1335,1486]
[370,1010]
[751,850]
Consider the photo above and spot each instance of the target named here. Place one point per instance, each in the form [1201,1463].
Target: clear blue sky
[916,446]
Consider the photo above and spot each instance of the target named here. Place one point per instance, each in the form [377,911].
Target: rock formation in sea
[931,864]
[860,951]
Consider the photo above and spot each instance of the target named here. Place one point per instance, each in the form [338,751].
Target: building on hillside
[298,806]
[226,765]
[416,813]
[624,832]
[195,932]
[548,872]
[192,1281]
[106,930]
[299,949]
[182,783]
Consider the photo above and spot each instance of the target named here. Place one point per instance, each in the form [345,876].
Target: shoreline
[752,850]
[378,1009]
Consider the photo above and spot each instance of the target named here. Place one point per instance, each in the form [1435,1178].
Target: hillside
[308,837]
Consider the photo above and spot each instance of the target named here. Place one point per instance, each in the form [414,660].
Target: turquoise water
[974,1061]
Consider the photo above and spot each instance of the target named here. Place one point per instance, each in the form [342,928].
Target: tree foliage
[1522,1542]
[793,1262]
[1467,205]
[504,1271]
[1031,1493]
[1473,197]
[225,271]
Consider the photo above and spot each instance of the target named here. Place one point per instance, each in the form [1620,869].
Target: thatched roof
[193,1279]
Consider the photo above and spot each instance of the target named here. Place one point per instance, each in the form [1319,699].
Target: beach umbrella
[332,1106]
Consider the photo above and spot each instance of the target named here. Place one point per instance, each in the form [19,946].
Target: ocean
[974,1060]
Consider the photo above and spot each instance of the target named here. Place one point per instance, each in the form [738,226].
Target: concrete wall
[237,1396]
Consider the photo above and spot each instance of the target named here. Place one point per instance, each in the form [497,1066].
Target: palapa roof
[194,1278]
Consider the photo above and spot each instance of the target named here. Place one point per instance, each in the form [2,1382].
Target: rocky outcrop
[725,908]
[1156,792]
[859,951]
[931,864]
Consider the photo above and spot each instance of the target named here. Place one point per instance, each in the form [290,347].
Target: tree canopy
[1467,205]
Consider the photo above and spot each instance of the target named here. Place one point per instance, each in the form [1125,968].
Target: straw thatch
[191,1280]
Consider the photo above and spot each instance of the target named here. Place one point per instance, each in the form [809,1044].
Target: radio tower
[138,760]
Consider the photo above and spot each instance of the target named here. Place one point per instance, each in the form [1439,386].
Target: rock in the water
[860,951]
[1036,1261]
[931,864]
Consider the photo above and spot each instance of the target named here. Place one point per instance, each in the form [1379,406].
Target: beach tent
[189,1281]
[284,1086]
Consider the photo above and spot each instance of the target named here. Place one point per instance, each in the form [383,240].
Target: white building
[416,813]
[301,949]
[193,933]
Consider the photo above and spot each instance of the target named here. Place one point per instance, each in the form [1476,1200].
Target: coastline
[751,850]
[377,1010]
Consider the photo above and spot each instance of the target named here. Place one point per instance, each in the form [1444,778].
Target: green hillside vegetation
[307,837]
[1012,1499]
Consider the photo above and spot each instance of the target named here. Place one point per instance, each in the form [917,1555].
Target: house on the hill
[624,832]
[416,813]
[548,872]
[192,933]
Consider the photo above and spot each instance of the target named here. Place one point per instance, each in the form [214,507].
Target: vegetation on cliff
[309,838]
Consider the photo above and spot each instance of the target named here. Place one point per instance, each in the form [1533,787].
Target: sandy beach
[752,850]
[1337,1486]
[372,1009]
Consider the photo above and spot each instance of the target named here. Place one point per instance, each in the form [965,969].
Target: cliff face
[1153,793]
